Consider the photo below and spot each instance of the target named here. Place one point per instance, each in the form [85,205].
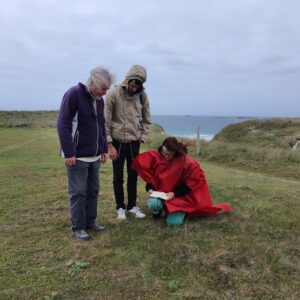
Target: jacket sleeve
[108,111]
[194,176]
[144,165]
[66,115]
[146,118]
[149,186]
[181,190]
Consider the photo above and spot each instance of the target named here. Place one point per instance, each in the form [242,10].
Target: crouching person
[170,170]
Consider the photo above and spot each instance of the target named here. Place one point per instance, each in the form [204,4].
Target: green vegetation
[28,118]
[252,253]
[265,146]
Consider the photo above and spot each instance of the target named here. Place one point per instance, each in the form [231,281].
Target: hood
[137,72]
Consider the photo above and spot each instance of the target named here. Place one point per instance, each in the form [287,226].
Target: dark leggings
[126,151]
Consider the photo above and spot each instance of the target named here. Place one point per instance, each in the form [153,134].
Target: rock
[294,141]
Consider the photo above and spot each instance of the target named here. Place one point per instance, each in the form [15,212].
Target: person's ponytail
[172,144]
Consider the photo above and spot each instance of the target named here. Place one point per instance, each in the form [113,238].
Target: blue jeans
[83,180]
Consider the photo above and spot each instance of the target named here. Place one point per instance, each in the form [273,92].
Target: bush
[260,145]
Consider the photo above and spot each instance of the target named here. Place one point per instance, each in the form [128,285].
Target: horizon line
[174,115]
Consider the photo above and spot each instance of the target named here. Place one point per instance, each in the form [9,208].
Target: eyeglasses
[167,154]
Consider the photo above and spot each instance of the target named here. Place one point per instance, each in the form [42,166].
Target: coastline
[206,137]
[186,126]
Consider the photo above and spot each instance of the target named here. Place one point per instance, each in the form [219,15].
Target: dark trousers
[126,151]
[83,180]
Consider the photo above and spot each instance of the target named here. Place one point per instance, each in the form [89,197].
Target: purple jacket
[80,127]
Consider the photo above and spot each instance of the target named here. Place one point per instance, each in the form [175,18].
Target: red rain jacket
[165,175]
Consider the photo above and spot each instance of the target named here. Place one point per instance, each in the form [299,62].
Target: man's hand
[112,152]
[71,161]
[104,158]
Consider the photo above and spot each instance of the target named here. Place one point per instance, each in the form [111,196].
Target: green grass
[28,118]
[258,145]
[252,253]
[269,132]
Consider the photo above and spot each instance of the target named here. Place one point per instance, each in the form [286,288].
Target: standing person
[127,120]
[172,171]
[81,131]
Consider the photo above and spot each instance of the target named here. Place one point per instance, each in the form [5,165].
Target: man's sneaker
[121,213]
[95,227]
[81,235]
[136,212]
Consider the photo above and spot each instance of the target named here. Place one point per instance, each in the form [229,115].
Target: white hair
[100,75]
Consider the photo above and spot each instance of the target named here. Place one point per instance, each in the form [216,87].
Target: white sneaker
[121,214]
[136,212]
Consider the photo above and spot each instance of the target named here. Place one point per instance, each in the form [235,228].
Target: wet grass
[252,253]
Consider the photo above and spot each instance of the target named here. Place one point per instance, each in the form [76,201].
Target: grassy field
[258,145]
[13,119]
[252,253]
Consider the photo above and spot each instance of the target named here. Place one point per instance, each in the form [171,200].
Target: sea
[186,125]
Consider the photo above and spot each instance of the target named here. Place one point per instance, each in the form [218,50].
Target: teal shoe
[176,218]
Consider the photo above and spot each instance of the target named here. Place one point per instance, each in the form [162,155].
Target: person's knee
[77,193]
[175,218]
[155,204]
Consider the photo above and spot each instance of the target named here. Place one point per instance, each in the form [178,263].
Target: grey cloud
[207,53]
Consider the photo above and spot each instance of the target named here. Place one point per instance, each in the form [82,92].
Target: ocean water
[186,126]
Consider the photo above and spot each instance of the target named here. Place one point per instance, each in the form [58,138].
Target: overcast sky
[216,57]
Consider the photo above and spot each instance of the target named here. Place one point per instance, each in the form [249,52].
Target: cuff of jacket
[149,186]
[109,139]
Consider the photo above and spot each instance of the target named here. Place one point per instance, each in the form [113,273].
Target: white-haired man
[81,131]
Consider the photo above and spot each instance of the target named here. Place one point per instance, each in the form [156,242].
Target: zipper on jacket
[96,117]
[97,147]
[76,141]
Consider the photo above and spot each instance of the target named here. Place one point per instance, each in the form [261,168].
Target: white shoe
[136,212]
[121,214]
